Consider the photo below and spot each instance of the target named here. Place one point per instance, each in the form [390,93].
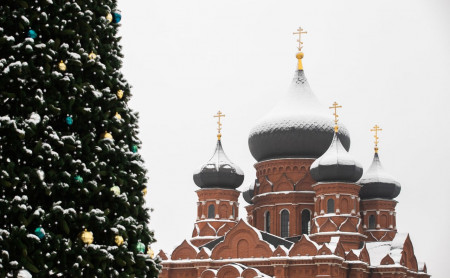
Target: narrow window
[211,211]
[306,221]
[284,223]
[330,206]
[267,222]
[372,222]
[233,211]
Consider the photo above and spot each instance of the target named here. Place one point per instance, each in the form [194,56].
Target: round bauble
[116,17]
[87,237]
[109,17]
[118,240]
[32,34]
[39,232]
[107,135]
[69,120]
[62,66]
[116,190]
[24,274]
[150,253]
[140,247]
[144,191]
[118,116]
[78,179]
[120,94]
[92,55]
[134,149]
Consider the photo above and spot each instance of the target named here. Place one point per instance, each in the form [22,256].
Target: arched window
[267,221]
[330,206]
[211,211]
[372,222]
[306,221]
[284,223]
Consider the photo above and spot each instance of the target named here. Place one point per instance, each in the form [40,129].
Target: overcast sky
[385,62]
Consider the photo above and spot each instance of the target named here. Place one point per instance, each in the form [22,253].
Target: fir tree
[68,145]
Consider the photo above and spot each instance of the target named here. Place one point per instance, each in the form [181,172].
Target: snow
[34,118]
[25,20]
[335,155]
[376,173]
[74,55]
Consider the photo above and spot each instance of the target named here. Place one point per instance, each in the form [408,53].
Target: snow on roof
[335,155]
[378,250]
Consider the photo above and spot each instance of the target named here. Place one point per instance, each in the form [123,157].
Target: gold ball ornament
[62,66]
[107,135]
[118,240]
[87,237]
[118,116]
[92,55]
[116,190]
[120,94]
[300,55]
[144,191]
[150,252]
[109,17]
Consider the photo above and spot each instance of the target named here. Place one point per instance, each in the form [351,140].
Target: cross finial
[375,129]
[219,125]
[336,116]
[299,32]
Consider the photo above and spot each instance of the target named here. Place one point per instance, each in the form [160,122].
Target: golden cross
[335,107]
[299,32]
[376,128]
[219,128]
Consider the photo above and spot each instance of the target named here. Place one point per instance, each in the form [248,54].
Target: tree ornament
[87,237]
[78,179]
[107,135]
[116,17]
[32,34]
[150,252]
[109,17]
[120,94]
[116,190]
[24,274]
[69,120]
[118,240]
[140,247]
[144,191]
[92,55]
[39,232]
[118,116]
[62,66]
[134,149]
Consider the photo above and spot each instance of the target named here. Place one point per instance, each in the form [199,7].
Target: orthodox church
[312,211]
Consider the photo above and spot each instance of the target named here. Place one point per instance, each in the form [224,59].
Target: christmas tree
[72,183]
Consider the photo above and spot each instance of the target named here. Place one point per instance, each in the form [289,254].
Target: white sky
[386,62]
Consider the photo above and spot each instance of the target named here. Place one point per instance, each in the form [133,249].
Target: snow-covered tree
[69,162]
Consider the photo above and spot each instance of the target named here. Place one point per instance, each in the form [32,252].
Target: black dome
[219,172]
[298,126]
[377,183]
[249,193]
[336,164]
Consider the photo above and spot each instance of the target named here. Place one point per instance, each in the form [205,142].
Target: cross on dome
[299,32]
[219,128]
[336,116]
[375,129]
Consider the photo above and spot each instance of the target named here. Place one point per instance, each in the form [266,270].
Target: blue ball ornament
[39,232]
[69,120]
[134,149]
[140,247]
[116,17]
[32,34]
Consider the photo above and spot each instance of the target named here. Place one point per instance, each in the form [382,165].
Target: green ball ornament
[140,247]
[78,179]
[134,149]
[39,232]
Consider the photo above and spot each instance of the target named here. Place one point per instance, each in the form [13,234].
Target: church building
[312,210]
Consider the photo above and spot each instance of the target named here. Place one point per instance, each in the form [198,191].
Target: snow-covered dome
[298,126]
[377,183]
[219,172]
[249,193]
[336,164]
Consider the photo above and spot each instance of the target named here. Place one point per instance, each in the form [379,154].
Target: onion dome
[249,193]
[336,164]
[219,172]
[299,126]
[377,183]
